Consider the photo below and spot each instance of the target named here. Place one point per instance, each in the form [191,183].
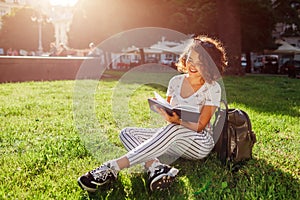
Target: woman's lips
[192,70]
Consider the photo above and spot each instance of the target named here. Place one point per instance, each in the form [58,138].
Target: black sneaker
[97,177]
[161,176]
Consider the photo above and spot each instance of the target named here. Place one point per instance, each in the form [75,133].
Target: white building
[162,52]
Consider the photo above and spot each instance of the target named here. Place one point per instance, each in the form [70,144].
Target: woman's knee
[172,129]
[123,133]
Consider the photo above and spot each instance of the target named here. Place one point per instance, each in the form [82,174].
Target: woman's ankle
[151,163]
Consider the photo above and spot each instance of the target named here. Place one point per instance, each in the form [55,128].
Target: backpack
[233,135]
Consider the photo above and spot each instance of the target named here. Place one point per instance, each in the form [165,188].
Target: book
[185,112]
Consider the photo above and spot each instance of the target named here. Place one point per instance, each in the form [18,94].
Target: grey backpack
[233,135]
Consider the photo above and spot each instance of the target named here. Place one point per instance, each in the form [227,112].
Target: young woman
[202,64]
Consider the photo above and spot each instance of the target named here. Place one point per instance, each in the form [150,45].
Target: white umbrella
[286,48]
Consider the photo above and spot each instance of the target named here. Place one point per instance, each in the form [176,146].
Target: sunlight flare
[63,2]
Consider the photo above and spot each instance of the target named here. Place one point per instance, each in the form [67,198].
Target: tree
[214,18]
[287,12]
[257,25]
[98,20]
[229,29]
[192,17]
[258,22]
[20,32]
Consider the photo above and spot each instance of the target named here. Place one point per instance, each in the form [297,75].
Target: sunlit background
[63,2]
[76,23]
[244,26]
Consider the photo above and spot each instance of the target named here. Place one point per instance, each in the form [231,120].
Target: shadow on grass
[255,179]
[208,179]
[277,95]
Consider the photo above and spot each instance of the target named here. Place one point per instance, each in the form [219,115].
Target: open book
[185,112]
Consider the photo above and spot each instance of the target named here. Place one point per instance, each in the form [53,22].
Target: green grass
[51,133]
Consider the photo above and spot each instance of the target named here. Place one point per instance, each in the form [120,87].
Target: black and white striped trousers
[144,144]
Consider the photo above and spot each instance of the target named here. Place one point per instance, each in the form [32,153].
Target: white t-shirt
[207,94]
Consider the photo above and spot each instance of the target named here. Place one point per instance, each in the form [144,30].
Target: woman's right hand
[175,119]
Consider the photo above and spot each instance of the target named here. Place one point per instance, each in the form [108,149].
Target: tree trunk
[142,54]
[249,62]
[229,31]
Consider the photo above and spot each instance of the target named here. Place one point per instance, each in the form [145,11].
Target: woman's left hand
[175,119]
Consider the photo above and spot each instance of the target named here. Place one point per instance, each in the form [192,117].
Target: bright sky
[63,2]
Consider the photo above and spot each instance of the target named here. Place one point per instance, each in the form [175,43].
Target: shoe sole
[163,181]
[85,187]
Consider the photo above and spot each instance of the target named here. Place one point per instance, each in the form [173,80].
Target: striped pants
[144,144]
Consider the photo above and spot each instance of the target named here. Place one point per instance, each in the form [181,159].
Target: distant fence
[34,68]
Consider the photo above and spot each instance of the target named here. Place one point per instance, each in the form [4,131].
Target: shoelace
[102,172]
[155,169]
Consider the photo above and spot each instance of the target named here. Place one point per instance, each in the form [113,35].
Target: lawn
[53,132]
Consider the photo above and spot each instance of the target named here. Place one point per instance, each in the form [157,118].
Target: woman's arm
[205,116]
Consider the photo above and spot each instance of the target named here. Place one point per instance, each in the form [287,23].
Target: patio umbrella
[286,48]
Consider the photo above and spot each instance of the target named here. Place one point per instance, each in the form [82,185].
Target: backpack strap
[225,138]
[220,136]
[218,112]
[219,121]
[252,134]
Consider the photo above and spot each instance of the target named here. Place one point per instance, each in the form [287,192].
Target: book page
[185,112]
[160,99]
[187,108]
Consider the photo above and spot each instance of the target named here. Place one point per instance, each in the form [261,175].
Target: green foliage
[257,23]
[42,152]
[287,11]
[20,32]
